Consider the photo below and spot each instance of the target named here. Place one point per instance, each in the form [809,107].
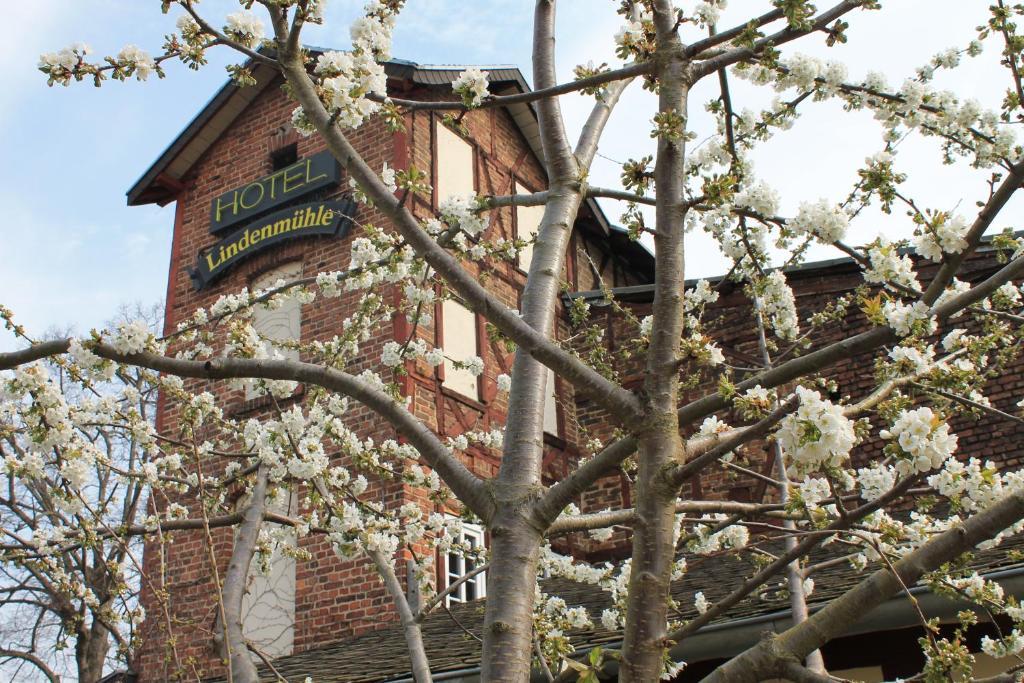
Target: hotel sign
[299,179]
[333,218]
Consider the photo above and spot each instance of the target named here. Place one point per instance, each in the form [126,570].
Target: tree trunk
[660,445]
[243,670]
[91,653]
[653,554]
[508,622]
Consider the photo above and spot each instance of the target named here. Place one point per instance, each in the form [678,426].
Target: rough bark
[91,649]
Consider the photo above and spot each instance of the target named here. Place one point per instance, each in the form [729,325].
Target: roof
[381,656]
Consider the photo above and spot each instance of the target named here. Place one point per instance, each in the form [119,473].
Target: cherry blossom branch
[681,473]
[586,146]
[786,35]
[601,520]
[191,524]
[462,482]
[225,40]
[540,198]
[410,624]
[851,346]
[235,582]
[617,400]
[578,481]
[425,611]
[801,549]
[963,400]
[829,622]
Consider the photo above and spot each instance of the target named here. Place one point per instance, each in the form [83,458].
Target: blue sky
[73,251]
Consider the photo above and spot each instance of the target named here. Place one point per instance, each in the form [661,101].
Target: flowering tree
[72,473]
[920,382]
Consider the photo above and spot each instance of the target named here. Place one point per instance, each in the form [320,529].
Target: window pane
[459,343]
[454,164]
[456,567]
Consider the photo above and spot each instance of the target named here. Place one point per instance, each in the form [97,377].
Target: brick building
[332,620]
[240,163]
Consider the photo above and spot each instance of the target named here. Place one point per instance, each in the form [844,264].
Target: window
[527,225]
[268,605]
[281,323]
[551,406]
[456,566]
[454,164]
[459,342]
[284,157]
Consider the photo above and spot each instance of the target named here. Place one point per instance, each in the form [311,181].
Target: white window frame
[454,567]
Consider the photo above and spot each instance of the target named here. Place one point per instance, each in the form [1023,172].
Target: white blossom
[760,198]
[888,265]
[780,306]
[923,437]
[472,86]
[138,59]
[245,27]
[875,481]
[822,219]
[945,236]
[817,434]
[903,318]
